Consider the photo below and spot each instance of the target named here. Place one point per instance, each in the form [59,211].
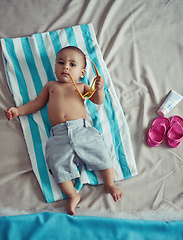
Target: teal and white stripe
[29,64]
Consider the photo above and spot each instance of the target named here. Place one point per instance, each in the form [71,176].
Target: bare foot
[115,192]
[72,203]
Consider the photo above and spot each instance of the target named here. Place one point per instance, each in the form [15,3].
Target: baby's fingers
[99,82]
[99,85]
[9,114]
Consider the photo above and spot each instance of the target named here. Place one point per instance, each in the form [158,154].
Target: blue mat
[62,226]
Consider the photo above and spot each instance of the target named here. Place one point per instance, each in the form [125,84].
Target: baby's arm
[99,95]
[30,107]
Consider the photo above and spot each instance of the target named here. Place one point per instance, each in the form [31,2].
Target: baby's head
[72,61]
[77,50]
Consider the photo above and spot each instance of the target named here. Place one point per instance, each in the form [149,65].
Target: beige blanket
[141,42]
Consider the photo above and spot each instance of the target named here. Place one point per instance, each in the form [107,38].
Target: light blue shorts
[72,144]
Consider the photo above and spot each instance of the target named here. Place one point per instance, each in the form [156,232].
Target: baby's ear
[83,71]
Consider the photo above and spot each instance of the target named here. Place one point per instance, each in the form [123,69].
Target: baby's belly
[57,116]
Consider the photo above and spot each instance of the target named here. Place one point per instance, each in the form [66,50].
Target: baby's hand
[99,83]
[11,113]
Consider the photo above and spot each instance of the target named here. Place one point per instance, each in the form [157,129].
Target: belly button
[65,116]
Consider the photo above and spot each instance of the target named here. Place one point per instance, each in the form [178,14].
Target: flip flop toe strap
[171,135]
[157,129]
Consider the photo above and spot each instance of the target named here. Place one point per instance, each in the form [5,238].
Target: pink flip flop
[175,133]
[157,131]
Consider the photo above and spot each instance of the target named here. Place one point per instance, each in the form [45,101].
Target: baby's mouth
[65,74]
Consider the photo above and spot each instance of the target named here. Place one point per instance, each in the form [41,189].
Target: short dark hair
[77,50]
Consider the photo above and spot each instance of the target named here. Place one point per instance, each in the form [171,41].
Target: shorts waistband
[69,125]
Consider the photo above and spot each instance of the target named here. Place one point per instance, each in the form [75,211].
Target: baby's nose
[66,66]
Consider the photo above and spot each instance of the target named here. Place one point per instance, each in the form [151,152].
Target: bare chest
[65,91]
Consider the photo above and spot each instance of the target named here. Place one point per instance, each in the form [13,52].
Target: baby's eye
[61,62]
[72,64]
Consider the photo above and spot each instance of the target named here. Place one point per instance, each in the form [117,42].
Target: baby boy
[73,140]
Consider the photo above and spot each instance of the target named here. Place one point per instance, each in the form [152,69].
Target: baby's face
[68,62]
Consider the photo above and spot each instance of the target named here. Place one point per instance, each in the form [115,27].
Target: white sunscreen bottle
[170,102]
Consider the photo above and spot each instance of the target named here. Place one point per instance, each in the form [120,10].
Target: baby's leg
[108,177]
[69,190]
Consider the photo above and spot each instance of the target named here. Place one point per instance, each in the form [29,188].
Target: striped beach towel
[29,64]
